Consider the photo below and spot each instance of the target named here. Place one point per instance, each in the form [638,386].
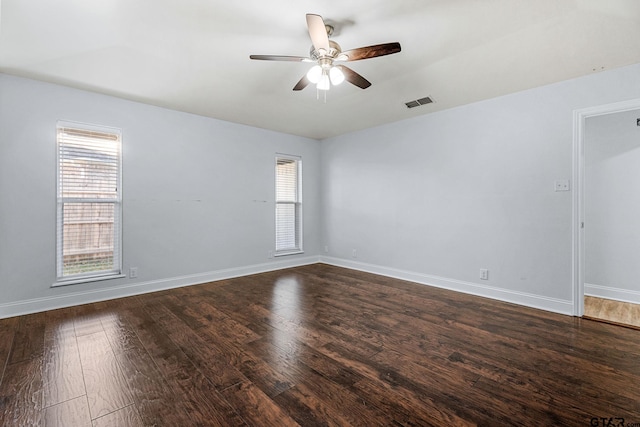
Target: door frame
[579,120]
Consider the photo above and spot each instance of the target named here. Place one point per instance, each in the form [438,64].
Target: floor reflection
[286,308]
[80,361]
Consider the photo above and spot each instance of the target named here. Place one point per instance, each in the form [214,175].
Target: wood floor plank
[21,393]
[107,389]
[74,412]
[297,328]
[206,405]
[454,386]
[411,410]
[225,326]
[235,308]
[434,401]
[62,374]
[7,332]
[299,356]
[197,394]
[206,357]
[125,417]
[165,353]
[315,330]
[333,372]
[617,312]
[256,407]
[28,342]
[157,403]
[121,337]
[270,380]
[88,319]
[307,410]
[355,409]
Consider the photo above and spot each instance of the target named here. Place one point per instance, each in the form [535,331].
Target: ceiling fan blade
[317,32]
[370,51]
[354,78]
[304,82]
[281,58]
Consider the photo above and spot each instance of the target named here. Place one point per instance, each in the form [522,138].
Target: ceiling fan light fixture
[325,52]
[336,75]
[314,74]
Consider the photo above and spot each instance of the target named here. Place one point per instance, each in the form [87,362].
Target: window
[288,205]
[89,203]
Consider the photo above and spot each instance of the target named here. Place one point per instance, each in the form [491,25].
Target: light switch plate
[563,185]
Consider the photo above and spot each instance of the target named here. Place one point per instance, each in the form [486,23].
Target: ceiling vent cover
[419,102]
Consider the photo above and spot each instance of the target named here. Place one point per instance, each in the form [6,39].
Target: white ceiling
[193,55]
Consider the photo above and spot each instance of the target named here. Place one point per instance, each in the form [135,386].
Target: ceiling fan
[328,57]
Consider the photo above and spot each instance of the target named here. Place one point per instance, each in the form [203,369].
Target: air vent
[419,102]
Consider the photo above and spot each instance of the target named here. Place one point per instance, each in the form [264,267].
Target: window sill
[80,280]
[285,253]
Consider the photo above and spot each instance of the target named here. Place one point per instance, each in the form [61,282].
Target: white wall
[612,206]
[198,196]
[431,199]
[438,197]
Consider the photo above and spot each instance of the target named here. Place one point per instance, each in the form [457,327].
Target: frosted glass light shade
[314,74]
[336,75]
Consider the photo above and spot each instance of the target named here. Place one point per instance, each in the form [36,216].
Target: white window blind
[288,205]
[89,203]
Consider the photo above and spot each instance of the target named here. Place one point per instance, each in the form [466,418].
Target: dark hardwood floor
[315,346]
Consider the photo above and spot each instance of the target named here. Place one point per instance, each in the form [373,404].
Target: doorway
[606,208]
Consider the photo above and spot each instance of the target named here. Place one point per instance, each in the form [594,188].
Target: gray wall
[612,206]
[439,197]
[198,195]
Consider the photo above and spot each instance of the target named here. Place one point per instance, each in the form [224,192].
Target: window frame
[299,249]
[96,275]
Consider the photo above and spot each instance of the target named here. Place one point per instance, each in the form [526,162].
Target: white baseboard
[84,297]
[608,292]
[530,300]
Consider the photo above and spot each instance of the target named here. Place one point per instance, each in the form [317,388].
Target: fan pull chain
[318,95]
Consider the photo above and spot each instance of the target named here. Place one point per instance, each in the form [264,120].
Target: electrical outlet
[133,272]
[484,274]
[326,249]
[354,253]
[562,185]
[269,254]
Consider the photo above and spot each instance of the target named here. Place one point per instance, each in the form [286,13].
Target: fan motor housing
[334,51]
